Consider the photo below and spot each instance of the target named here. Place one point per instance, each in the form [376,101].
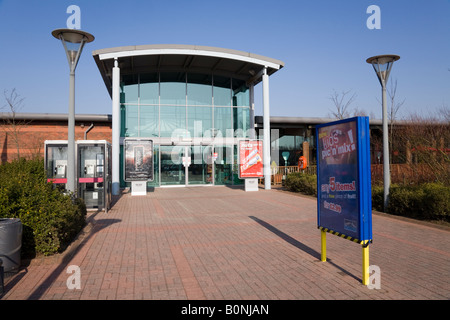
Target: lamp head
[382,65]
[73,41]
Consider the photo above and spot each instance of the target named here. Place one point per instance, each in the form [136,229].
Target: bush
[302,182]
[429,201]
[50,219]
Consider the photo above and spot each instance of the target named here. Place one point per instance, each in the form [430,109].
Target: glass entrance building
[194,102]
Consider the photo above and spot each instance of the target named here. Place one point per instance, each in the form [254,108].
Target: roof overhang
[189,58]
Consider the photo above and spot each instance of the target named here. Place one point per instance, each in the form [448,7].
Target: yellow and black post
[365,262]
[323,246]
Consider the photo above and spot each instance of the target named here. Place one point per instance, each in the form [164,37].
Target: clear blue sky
[323,43]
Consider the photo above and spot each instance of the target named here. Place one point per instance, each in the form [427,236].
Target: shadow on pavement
[299,245]
[83,237]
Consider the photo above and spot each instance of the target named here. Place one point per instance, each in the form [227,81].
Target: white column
[266,124]
[116,128]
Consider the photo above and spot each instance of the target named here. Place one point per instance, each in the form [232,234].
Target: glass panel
[131,121]
[236,179]
[222,120]
[200,169]
[91,162]
[199,90]
[241,122]
[149,88]
[172,169]
[173,88]
[155,182]
[149,121]
[91,165]
[199,120]
[172,118]
[57,162]
[129,89]
[222,91]
[223,165]
[241,94]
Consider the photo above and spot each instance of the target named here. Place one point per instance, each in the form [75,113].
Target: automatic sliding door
[200,169]
[223,165]
[172,169]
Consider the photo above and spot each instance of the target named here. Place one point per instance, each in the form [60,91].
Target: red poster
[250,159]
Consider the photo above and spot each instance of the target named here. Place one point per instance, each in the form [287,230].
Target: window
[199,90]
[149,89]
[173,88]
[172,118]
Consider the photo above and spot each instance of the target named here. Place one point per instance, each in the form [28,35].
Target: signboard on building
[344,203]
[250,159]
[138,164]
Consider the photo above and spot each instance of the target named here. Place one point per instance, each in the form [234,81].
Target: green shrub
[429,201]
[302,182]
[377,198]
[50,219]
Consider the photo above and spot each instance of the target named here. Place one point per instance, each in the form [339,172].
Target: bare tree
[342,104]
[359,112]
[12,126]
[427,138]
[393,109]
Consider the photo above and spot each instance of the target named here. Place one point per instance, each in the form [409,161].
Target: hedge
[301,182]
[50,218]
[428,201]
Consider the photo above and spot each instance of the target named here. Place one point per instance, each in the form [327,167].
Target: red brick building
[23,134]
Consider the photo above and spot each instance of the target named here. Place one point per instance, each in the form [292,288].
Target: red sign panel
[251,159]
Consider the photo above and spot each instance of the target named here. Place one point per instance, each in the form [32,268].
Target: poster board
[138,164]
[251,159]
[344,197]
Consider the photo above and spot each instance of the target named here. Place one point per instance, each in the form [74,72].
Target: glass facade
[181,105]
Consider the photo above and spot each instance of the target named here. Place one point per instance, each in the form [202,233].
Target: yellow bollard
[323,238]
[365,263]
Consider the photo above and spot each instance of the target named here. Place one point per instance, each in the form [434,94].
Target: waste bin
[10,243]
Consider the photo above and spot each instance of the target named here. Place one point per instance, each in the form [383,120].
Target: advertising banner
[138,159]
[344,203]
[250,159]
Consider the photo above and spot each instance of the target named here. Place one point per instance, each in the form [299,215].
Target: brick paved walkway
[224,243]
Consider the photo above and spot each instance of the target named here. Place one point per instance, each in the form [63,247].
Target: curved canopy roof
[190,58]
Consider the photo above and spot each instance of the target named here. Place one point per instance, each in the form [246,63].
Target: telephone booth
[93,162]
[55,159]
[94,173]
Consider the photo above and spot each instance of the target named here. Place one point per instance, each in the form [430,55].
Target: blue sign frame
[344,192]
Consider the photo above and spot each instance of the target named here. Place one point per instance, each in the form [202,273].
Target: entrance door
[200,170]
[172,169]
[223,165]
[186,165]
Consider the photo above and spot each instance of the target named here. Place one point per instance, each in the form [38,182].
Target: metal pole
[71,136]
[116,129]
[386,170]
[266,124]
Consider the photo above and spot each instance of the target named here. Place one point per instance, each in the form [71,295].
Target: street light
[382,66]
[73,42]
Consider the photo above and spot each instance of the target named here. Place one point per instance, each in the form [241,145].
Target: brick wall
[32,134]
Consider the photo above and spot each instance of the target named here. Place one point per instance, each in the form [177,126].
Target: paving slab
[222,243]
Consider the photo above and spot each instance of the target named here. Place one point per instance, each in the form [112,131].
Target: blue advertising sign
[344,196]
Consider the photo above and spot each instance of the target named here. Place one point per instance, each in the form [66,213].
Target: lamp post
[73,42]
[382,66]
